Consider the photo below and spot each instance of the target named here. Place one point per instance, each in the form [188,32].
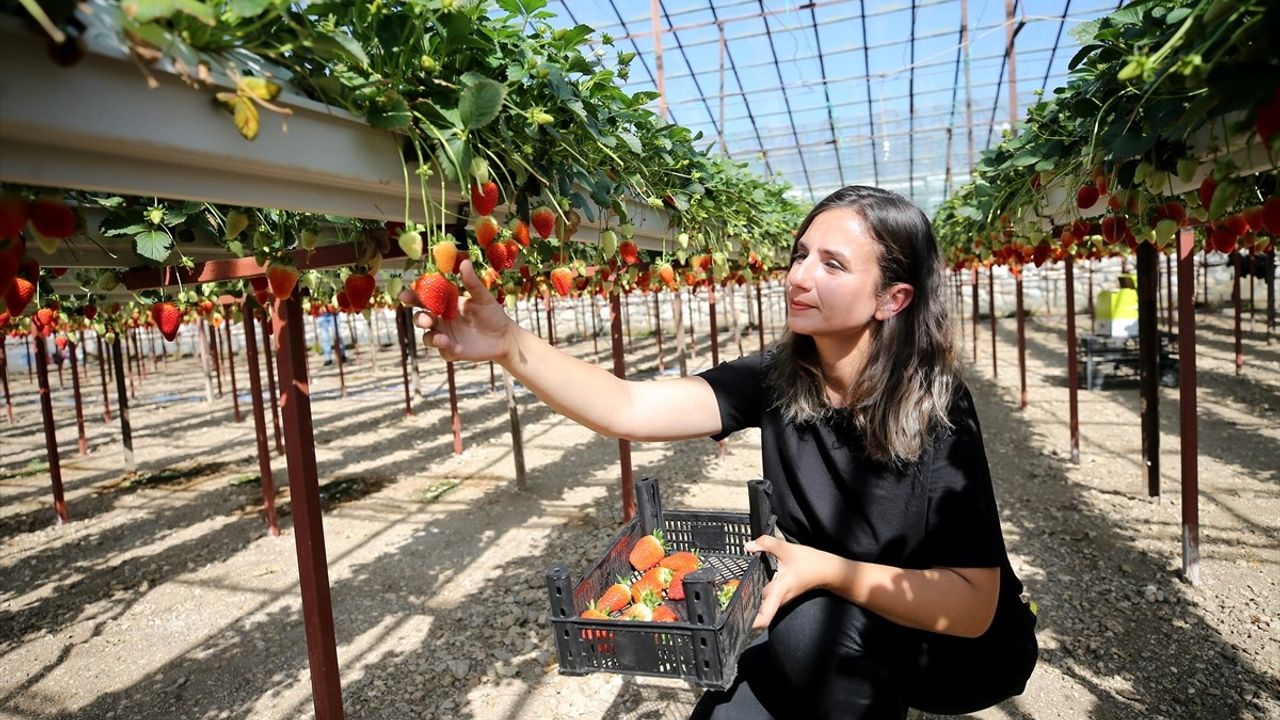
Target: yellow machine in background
[1116,311]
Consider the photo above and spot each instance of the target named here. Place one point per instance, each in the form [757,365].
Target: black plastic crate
[704,644]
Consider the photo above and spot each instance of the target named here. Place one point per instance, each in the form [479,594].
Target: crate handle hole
[706,664]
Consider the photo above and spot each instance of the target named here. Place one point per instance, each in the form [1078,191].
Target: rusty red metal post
[1168,283]
[338,356]
[760,316]
[991,310]
[122,405]
[304,497]
[231,370]
[974,329]
[624,446]
[1235,303]
[260,422]
[1022,342]
[1187,426]
[4,376]
[215,357]
[123,348]
[493,378]
[455,420]
[402,320]
[1149,364]
[50,433]
[1093,313]
[551,321]
[715,337]
[1073,372]
[271,380]
[75,386]
[657,329]
[102,372]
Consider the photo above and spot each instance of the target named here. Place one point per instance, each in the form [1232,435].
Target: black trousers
[824,657]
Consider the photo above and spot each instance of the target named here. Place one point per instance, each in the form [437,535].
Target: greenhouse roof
[836,92]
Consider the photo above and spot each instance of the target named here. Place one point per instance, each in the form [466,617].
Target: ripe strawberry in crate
[648,551]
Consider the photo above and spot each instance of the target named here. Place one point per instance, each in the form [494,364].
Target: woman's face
[834,277]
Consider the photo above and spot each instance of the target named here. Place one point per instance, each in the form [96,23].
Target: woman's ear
[894,300]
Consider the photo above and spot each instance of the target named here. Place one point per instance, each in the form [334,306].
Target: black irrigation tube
[705,102]
[786,100]
[826,93]
[768,170]
[955,92]
[871,116]
[911,111]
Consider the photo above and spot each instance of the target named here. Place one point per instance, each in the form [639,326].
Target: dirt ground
[165,597]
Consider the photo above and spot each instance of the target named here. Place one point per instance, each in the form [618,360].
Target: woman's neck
[842,359]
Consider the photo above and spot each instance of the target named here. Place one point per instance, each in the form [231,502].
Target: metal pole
[677,305]
[974,329]
[260,422]
[517,437]
[102,373]
[595,327]
[129,359]
[1149,364]
[402,319]
[1187,426]
[122,405]
[1073,372]
[215,357]
[715,341]
[50,434]
[1093,313]
[657,329]
[551,320]
[271,380]
[1168,280]
[624,446]
[4,376]
[338,356]
[1235,302]
[304,496]
[455,420]
[760,316]
[991,310]
[204,359]
[75,386]
[659,75]
[1022,342]
[231,371]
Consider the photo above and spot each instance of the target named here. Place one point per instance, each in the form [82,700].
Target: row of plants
[490,98]
[1163,101]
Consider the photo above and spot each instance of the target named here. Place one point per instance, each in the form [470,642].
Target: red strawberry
[513,252]
[13,215]
[1086,196]
[668,275]
[1176,212]
[19,294]
[206,307]
[61,342]
[544,221]
[1271,215]
[496,254]
[593,612]
[437,294]
[282,277]
[648,550]
[675,591]
[343,301]
[1207,188]
[445,253]
[486,230]
[1223,239]
[490,277]
[90,312]
[45,320]
[484,197]
[1041,253]
[260,292]
[168,318]
[51,217]
[360,287]
[664,613]
[562,281]
[629,252]
[642,609]
[681,562]
[519,231]
[615,597]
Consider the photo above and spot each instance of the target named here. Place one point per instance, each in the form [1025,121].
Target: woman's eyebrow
[825,252]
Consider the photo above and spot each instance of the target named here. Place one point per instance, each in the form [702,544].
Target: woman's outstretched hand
[800,569]
[480,331]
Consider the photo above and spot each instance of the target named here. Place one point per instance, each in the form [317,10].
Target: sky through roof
[837,92]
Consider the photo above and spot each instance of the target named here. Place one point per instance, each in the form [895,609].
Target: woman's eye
[797,257]
[834,265]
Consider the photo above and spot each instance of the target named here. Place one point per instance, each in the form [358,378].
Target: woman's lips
[797,305]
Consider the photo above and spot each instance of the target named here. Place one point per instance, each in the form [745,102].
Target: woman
[893,587]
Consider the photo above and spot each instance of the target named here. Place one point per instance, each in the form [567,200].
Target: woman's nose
[799,275]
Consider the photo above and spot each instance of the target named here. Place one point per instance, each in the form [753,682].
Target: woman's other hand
[480,331]
[800,569]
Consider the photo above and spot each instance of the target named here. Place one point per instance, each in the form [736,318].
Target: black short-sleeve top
[939,512]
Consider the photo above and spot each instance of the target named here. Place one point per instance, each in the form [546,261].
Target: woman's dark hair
[904,391]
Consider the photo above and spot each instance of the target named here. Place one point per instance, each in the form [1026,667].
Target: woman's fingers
[769,603]
[473,284]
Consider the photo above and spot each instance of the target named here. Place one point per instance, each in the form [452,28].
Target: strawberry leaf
[153,245]
[480,102]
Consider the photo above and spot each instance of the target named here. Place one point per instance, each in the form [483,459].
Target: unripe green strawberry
[237,221]
[609,243]
[411,243]
[394,286]
[309,239]
[628,230]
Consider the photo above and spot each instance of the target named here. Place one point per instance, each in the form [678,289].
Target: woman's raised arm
[675,409]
